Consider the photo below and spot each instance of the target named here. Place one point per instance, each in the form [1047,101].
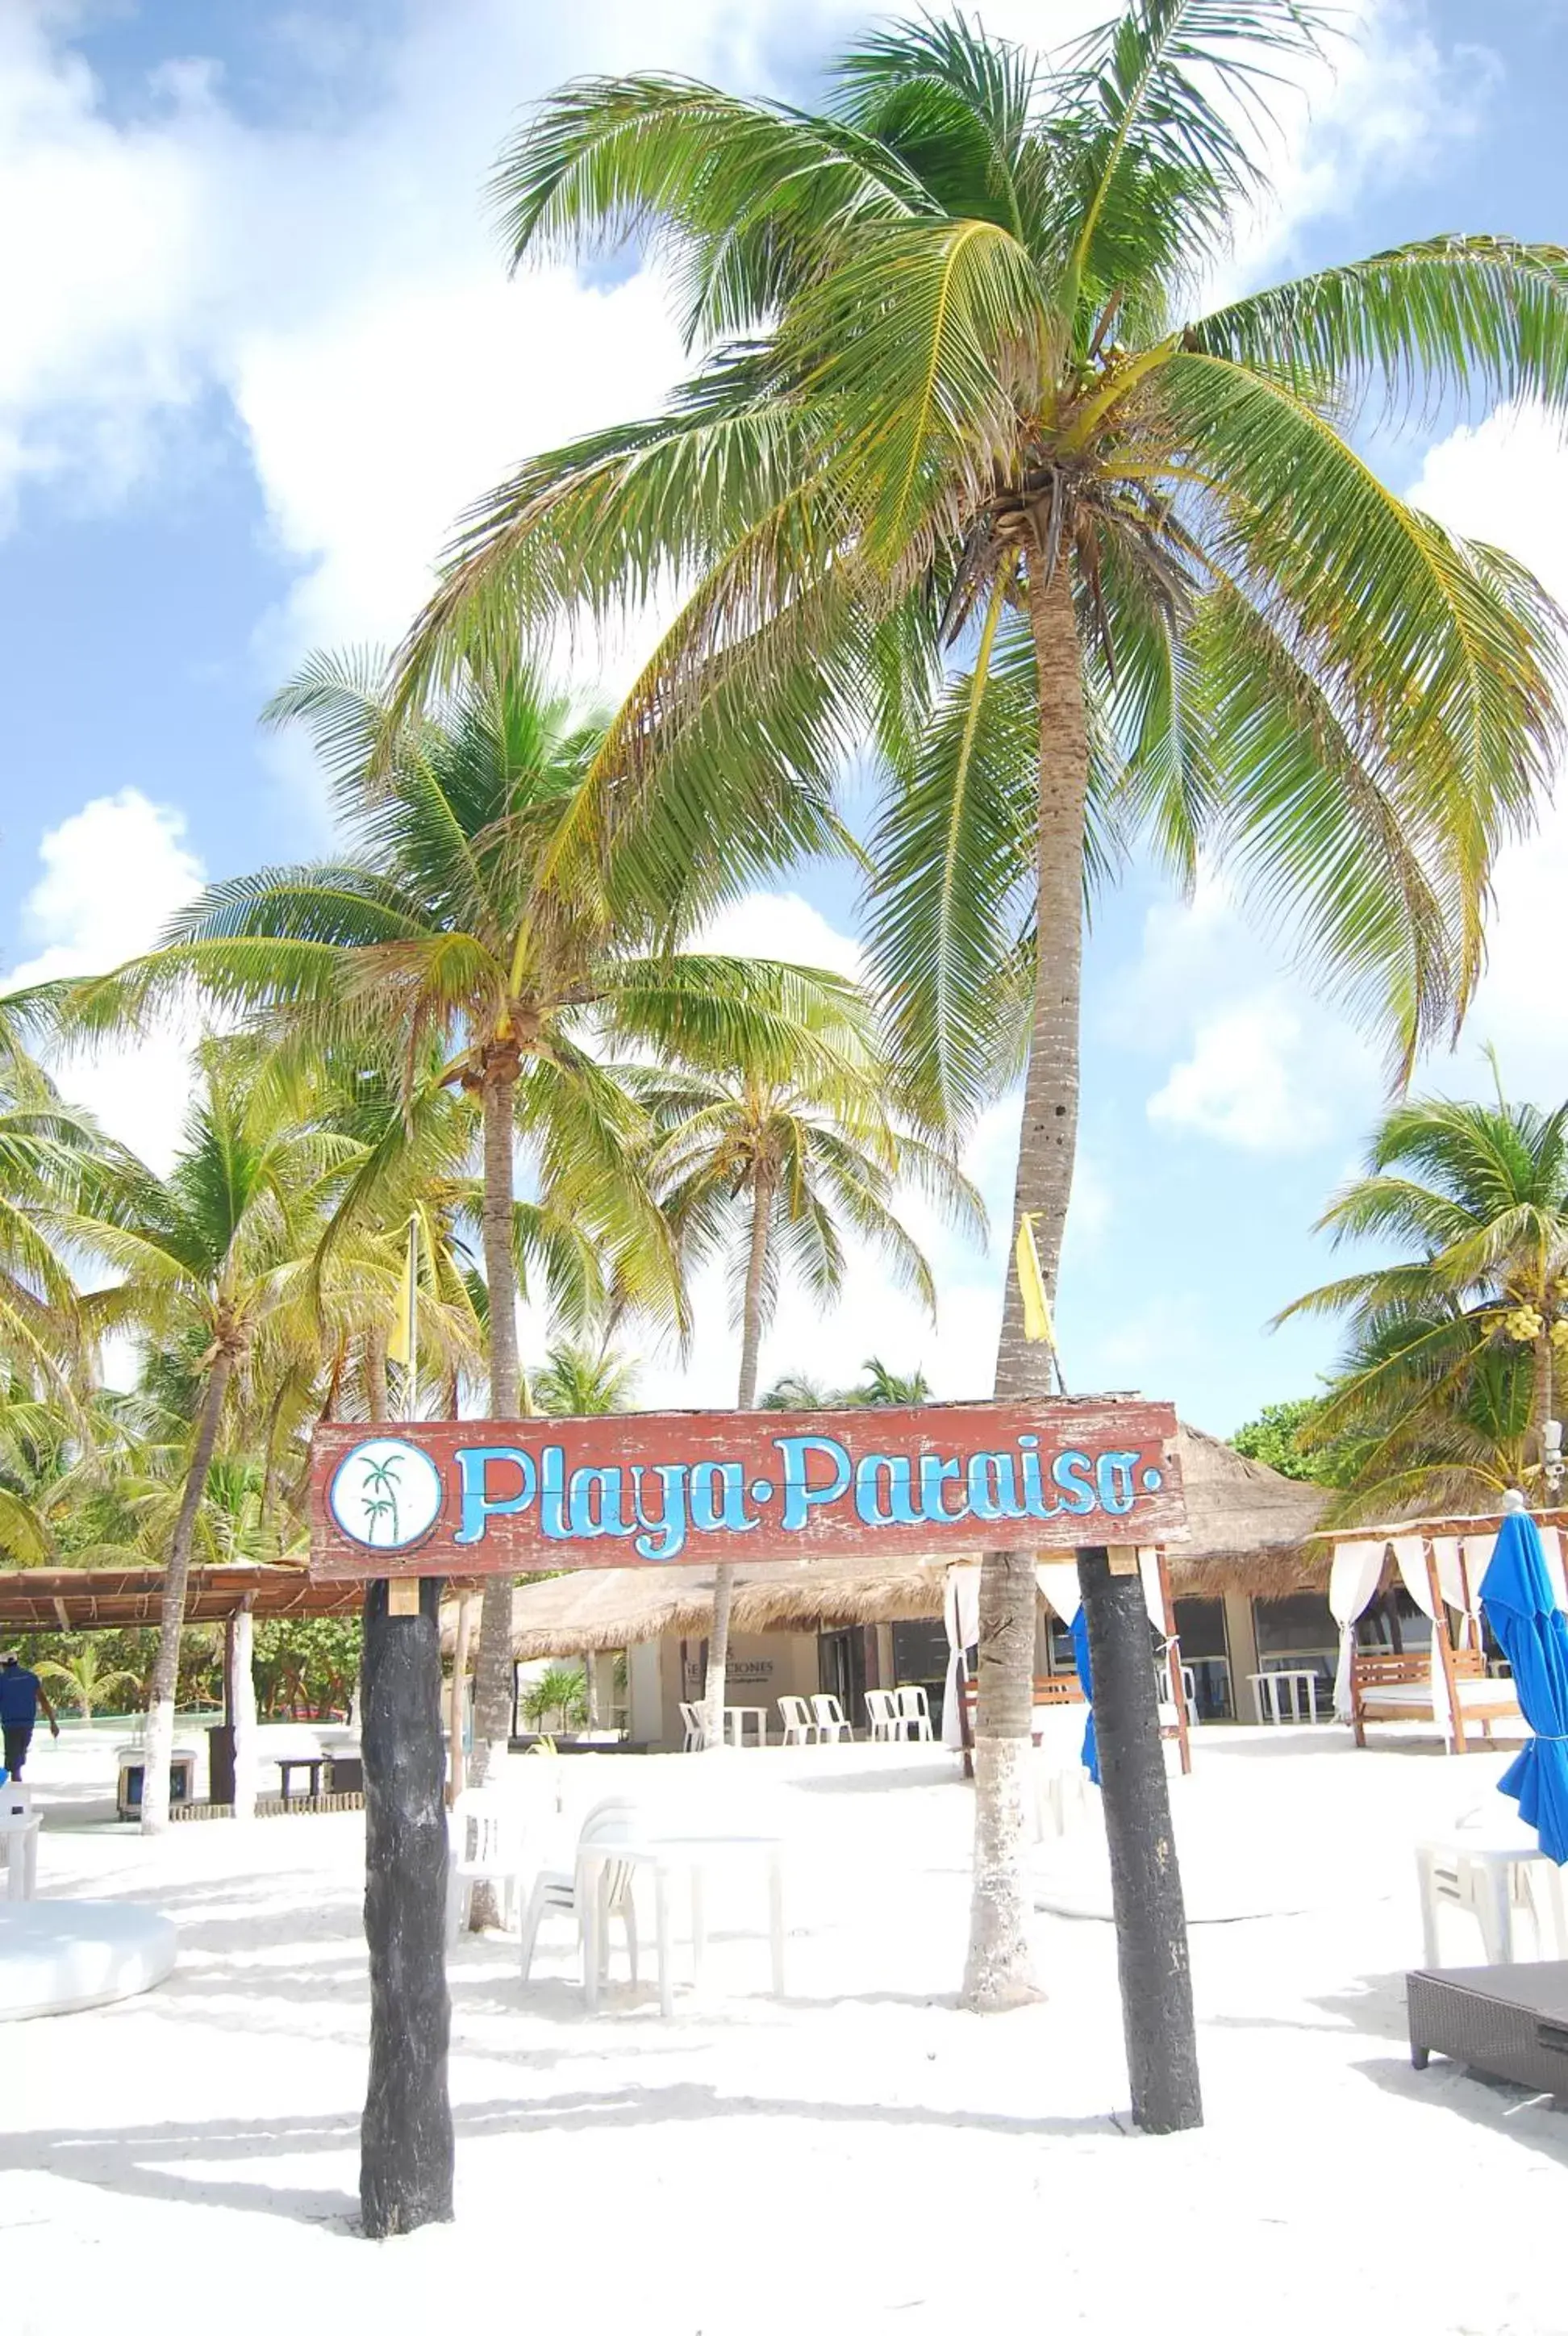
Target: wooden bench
[1057,1688]
[1399,1687]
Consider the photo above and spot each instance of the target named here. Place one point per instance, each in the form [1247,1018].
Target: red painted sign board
[472,1496]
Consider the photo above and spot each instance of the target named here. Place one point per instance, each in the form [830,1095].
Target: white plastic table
[663,1854]
[736,1716]
[20,1835]
[1493,1864]
[1266,1686]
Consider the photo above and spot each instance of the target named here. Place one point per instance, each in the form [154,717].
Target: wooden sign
[707,1487]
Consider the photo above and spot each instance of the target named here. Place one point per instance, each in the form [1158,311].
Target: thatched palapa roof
[1247,1528]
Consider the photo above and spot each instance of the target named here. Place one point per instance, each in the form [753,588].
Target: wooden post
[1145,1880]
[462,1634]
[1445,1651]
[242,1707]
[1174,1662]
[406,2160]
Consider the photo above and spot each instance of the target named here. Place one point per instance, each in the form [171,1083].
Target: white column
[243,1715]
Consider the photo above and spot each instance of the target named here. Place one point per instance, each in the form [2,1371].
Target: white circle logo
[386,1493]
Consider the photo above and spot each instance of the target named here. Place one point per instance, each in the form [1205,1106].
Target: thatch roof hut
[1248,1528]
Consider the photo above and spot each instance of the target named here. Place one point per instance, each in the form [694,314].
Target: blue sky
[260,348]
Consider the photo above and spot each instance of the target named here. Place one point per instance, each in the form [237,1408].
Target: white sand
[861,2154]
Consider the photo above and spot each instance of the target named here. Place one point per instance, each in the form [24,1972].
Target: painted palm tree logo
[386,1493]
[378,1495]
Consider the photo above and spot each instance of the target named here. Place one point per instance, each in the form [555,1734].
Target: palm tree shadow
[154,2161]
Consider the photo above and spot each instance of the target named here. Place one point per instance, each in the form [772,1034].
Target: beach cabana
[131,1598]
[1439,1563]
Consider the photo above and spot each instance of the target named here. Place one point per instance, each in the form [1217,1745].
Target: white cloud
[336,279]
[113,874]
[1251,1081]
[784,927]
[1506,481]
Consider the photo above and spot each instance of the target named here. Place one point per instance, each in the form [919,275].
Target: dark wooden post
[1146,1881]
[406,2147]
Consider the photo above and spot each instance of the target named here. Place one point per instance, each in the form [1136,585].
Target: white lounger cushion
[1495,1695]
[65,1954]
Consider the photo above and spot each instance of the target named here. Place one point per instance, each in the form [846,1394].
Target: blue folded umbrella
[1090,1755]
[1519,1603]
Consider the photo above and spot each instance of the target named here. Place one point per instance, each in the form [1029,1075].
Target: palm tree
[881,1385]
[1456,1347]
[765,1170]
[796,1392]
[579,1381]
[45,1146]
[211,1256]
[89,1682]
[964,454]
[452,929]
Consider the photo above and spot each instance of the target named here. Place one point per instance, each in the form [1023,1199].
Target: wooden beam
[1174,1660]
[1443,1648]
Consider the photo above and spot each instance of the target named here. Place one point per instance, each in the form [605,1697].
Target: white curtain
[1410,1556]
[1353,1579]
[1056,1580]
[1460,1565]
[961,1613]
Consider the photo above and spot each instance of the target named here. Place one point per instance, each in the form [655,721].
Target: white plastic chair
[915,1714]
[1190,1690]
[1492,1890]
[695,1727]
[828,1715]
[799,1727]
[558,1892]
[482,1846]
[883,1712]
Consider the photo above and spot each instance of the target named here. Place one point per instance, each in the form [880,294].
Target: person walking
[20,1697]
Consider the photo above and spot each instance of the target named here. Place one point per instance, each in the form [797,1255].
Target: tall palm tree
[44,1148]
[211,1256]
[450,929]
[965,450]
[882,1385]
[769,1172]
[1457,1346]
[581,1381]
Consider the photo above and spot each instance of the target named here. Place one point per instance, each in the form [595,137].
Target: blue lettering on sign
[1035,1502]
[473,1465]
[1114,1482]
[664,1536]
[589,1519]
[1074,1472]
[659,1508]
[993,1491]
[800,1498]
[934,1474]
[883,1491]
[718,1497]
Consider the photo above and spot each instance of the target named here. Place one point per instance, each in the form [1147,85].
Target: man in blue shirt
[20,1697]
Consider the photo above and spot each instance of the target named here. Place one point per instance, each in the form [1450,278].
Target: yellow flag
[1032,1286]
[402,1346]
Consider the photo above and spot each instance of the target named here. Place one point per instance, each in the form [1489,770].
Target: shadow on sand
[147,2161]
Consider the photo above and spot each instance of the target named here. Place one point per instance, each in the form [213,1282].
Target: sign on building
[704,1487]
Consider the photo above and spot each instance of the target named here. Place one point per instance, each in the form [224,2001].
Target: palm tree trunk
[375,1397]
[171,1620]
[745,1400]
[999,1970]
[492,1669]
[1541,1401]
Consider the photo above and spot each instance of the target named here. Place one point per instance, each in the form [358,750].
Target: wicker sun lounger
[1508,2019]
